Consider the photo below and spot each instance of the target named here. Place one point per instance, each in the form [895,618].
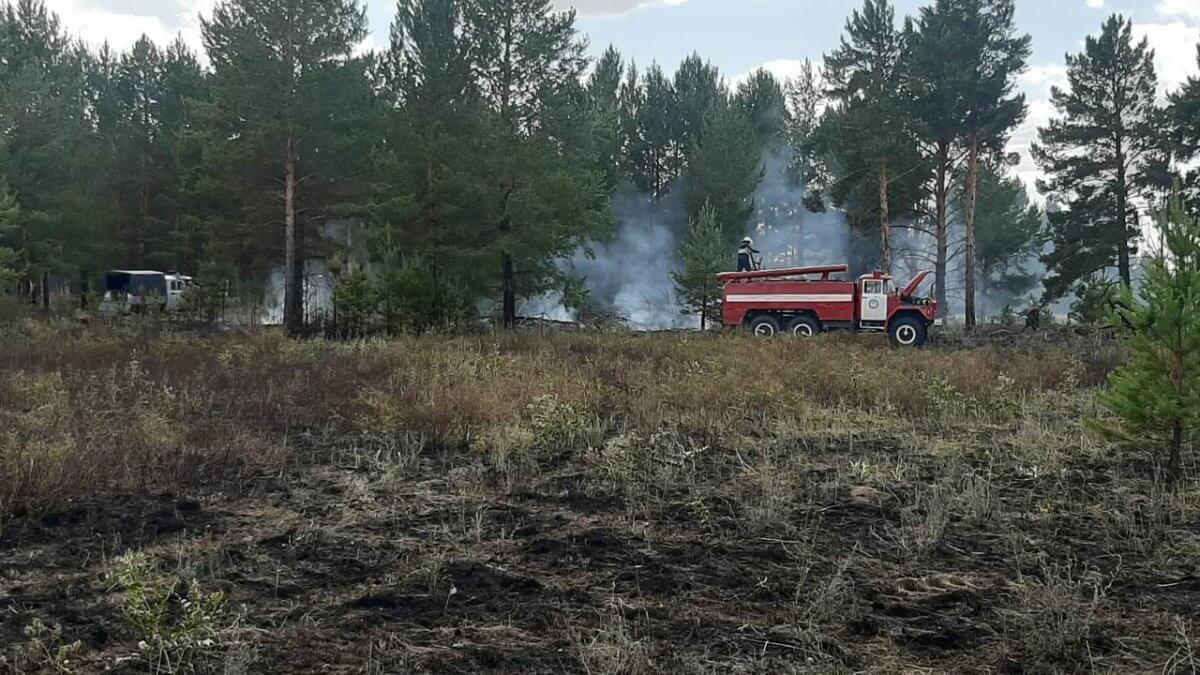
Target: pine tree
[430,180]
[278,66]
[652,135]
[992,109]
[1156,395]
[50,145]
[1008,234]
[961,63]
[867,133]
[1182,119]
[762,99]
[804,95]
[141,118]
[604,97]
[704,255]
[1099,156]
[726,171]
[699,95]
[545,197]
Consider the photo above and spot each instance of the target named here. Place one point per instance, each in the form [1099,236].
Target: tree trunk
[85,289]
[1123,263]
[972,199]
[885,233]
[46,291]
[293,286]
[510,291]
[1175,461]
[941,227]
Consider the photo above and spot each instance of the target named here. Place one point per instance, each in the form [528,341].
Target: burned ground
[550,503]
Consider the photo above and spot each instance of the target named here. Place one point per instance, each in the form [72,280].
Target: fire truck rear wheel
[804,326]
[908,331]
[764,325]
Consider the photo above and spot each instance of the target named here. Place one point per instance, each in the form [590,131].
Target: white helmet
[748,241]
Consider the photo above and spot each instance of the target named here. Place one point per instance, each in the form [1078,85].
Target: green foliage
[1008,234]
[289,114]
[762,100]
[1101,152]
[177,623]
[804,95]
[206,301]
[725,172]
[604,102]
[699,95]
[1095,299]
[49,143]
[1156,395]
[866,136]
[8,257]
[413,297]
[556,424]
[652,134]
[354,303]
[961,63]
[704,255]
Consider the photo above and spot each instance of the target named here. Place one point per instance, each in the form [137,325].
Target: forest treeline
[483,146]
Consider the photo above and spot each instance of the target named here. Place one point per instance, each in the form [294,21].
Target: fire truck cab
[805,301]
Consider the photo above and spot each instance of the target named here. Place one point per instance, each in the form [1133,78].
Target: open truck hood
[914,284]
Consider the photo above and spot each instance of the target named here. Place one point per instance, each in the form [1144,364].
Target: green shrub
[177,624]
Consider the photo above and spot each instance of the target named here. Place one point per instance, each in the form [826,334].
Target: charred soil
[565,503]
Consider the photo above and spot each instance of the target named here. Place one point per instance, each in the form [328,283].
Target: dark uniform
[747,259]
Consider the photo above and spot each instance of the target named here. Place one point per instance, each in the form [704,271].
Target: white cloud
[121,22]
[1095,4]
[782,69]
[1174,47]
[612,7]
[1185,8]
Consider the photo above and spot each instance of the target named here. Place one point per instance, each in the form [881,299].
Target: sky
[738,36]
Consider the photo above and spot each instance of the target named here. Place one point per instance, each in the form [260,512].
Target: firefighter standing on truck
[748,259]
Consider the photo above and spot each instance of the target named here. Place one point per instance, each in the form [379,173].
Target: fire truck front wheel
[804,326]
[908,331]
[764,325]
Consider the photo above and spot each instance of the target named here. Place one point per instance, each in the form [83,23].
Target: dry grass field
[590,502]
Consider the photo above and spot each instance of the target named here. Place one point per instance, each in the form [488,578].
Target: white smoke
[318,293]
[785,231]
[548,306]
[631,273]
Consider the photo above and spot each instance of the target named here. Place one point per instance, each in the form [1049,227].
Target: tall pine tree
[430,189]
[1100,156]
[868,133]
[278,97]
[992,110]
[545,194]
[962,60]
[48,129]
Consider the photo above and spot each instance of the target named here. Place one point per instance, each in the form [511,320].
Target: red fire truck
[805,301]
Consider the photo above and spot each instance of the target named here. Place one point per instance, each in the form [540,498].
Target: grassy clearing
[584,502]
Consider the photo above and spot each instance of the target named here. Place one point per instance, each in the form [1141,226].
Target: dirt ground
[843,539]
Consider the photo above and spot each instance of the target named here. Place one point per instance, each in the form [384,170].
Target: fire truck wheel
[804,326]
[764,325]
[907,331]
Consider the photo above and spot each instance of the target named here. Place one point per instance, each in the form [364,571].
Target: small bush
[177,624]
